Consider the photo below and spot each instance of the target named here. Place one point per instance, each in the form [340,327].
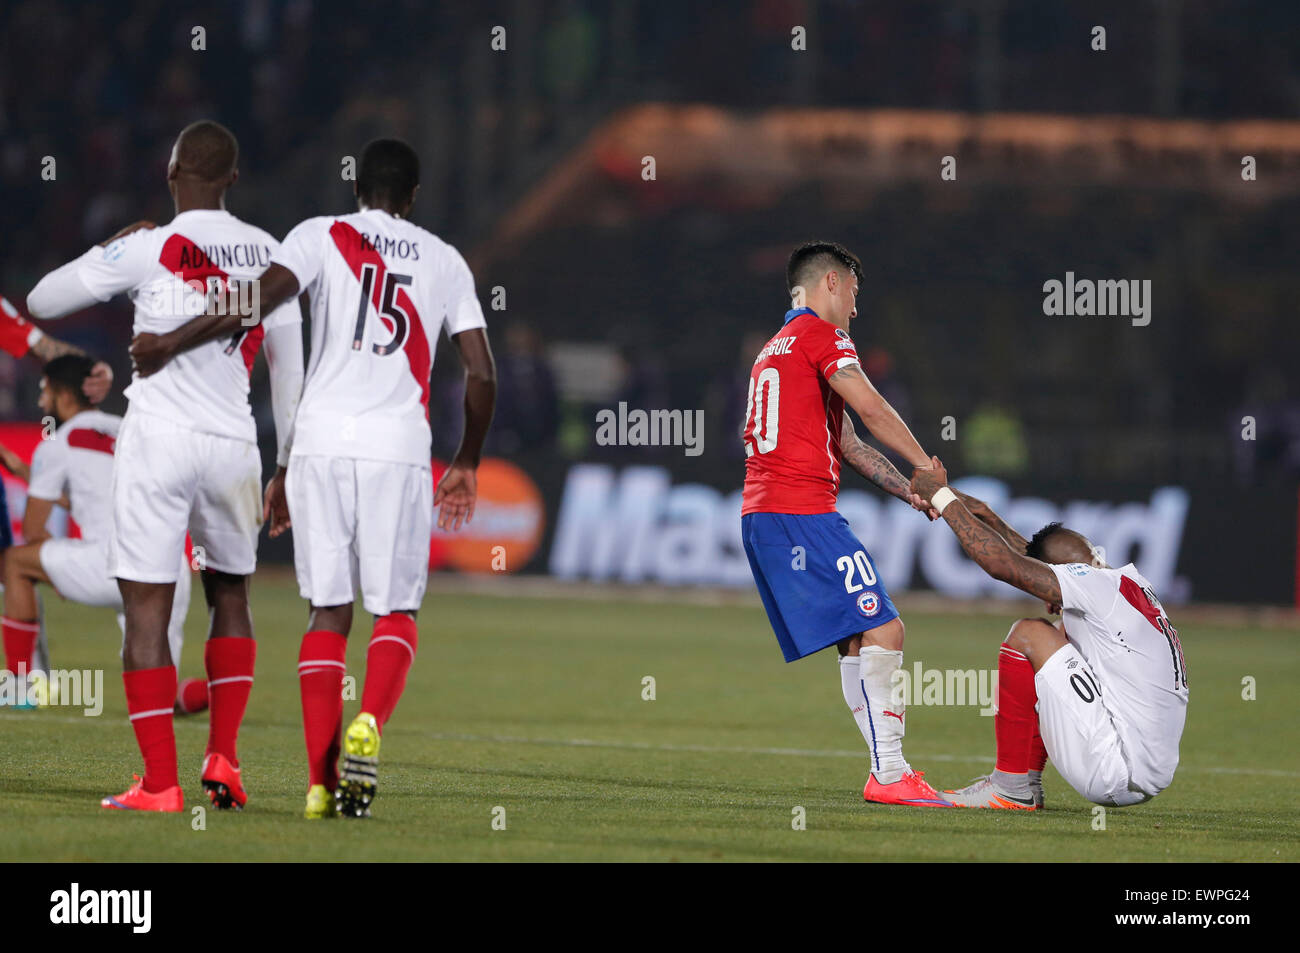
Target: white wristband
[34,335]
[942,497]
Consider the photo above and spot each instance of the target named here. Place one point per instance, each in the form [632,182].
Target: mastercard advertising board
[507,528]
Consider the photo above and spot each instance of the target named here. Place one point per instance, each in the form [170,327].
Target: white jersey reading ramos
[167,272]
[1115,622]
[381,290]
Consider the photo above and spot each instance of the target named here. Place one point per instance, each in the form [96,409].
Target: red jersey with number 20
[793,418]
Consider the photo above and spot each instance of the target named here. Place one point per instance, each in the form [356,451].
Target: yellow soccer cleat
[359,777]
[320,803]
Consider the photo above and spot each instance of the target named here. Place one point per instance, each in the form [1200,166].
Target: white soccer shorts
[360,523]
[78,570]
[1079,731]
[168,478]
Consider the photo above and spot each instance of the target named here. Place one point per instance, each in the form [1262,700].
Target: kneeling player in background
[19,338]
[74,469]
[1107,689]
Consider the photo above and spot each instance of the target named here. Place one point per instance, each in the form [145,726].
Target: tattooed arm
[984,545]
[871,463]
[877,415]
[875,466]
[984,513]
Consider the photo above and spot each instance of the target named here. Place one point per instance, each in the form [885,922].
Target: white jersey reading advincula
[167,272]
[381,290]
[1118,625]
[77,462]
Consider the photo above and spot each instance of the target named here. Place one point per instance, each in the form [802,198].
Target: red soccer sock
[229,662]
[20,642]
[150,695]
[389,658]
[1016,722]
[193,695]
[321,668]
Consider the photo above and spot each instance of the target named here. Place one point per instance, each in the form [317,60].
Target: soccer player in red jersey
[817,581]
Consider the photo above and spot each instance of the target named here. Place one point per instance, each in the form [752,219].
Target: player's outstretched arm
[985,514]
[876,413]
[20,337]
[982,544]
[875,466]
[224,317]
[458,488]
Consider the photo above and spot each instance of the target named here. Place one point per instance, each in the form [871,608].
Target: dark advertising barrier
[637,524]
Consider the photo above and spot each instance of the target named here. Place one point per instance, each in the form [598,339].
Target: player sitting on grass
[73,468]
[1107,689]
[817,581]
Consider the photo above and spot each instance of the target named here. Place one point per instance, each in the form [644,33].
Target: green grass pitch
[535,705]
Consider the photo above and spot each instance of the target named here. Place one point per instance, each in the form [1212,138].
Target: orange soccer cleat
[909,790]
[222,782]
[136,798]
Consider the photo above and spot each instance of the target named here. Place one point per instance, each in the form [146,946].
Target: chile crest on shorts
[868,603]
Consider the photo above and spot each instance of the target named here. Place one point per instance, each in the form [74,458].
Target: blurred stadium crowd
[677,290]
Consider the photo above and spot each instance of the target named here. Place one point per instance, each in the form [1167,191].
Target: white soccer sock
[885,713]
[851,684]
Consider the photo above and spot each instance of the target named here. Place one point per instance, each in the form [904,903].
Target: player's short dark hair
[819,256]
[389,171]
[207,150]
[68,373]
[1036,545]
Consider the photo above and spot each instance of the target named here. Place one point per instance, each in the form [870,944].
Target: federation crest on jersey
[840,332]
[868,603]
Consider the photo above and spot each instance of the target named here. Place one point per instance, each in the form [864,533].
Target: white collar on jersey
[198,212]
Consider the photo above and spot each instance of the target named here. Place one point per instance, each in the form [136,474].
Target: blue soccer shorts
[817,581]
